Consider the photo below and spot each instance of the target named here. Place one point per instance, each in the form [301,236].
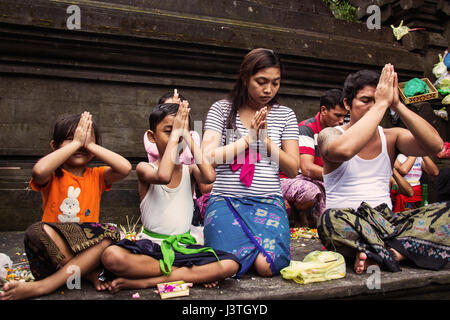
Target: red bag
[445,153]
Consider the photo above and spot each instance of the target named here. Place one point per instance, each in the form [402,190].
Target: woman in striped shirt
[249,137]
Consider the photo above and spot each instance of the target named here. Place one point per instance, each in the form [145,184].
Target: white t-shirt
[282,125]
[414,175]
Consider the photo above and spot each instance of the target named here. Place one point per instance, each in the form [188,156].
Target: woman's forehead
[271,73]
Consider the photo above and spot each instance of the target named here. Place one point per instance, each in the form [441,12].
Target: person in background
[399,185]
[306,190]
[411,168]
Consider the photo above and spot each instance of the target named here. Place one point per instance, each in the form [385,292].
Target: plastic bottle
[424,194]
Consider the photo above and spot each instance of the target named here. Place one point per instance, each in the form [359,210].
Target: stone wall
[127,53]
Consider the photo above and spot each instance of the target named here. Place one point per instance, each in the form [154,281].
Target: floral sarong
[422,235]
[247,227]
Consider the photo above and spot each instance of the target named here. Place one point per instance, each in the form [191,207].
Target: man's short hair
[331,98]
[357,81]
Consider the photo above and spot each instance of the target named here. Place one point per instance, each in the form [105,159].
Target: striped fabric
[308,132]
[282,125]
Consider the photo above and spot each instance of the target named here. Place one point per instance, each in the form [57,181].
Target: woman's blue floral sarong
[249,226]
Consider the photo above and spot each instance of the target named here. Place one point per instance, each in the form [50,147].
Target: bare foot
[15,290]
[123,283]
[93,278]
[362,262]
[397,255]
[211,284]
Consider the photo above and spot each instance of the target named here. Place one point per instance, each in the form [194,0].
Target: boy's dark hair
[64,129]
[160,112]
[331,98]
[168,95]
[357,81]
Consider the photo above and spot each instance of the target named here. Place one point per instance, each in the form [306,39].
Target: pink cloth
[201,203]
[247,168]
[186,156]
[304,189]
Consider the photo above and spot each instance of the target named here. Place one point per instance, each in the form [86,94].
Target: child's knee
[113,259]
[105,243]
[229,267]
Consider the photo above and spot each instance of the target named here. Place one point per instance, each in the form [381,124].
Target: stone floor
[410,283]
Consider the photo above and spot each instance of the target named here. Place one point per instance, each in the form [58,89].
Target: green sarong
[422,235]
[173,243]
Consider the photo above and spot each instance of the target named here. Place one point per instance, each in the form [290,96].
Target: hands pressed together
[387,88]
[180,126]
[84,133]
[258,128]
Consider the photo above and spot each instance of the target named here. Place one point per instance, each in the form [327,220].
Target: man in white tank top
[358,157]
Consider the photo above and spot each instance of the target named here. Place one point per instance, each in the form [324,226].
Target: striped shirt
[308,132]
[281,124]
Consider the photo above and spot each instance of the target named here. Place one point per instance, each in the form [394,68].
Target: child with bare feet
[165,251]
[69,238]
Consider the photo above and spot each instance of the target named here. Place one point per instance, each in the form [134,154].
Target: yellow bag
[317,266]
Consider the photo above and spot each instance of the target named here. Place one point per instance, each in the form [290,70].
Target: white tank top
[358,180]
[166,210]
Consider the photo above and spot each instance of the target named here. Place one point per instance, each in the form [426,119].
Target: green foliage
[341,9]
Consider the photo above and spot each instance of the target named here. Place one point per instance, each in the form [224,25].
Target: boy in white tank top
[166,251]
[367,97]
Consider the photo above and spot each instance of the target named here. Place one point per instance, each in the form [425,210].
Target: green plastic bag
[443,84]
[444,91]
[317,266]
[415,87]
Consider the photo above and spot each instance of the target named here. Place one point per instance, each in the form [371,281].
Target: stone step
[410,283]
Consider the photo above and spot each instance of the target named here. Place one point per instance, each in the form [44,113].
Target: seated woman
[249,137]
[358,161]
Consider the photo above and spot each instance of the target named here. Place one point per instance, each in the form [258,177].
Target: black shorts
[152,249]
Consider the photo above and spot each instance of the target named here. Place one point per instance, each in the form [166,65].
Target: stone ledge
[252,287]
